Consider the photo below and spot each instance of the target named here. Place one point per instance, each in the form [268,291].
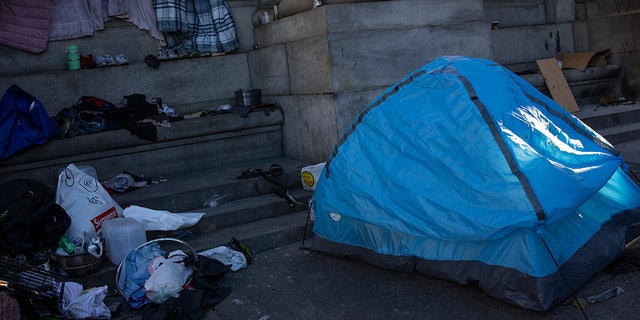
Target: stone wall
[615,25]
[187,83]
[325,64]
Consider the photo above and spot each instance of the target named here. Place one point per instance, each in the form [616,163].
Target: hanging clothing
[198,25]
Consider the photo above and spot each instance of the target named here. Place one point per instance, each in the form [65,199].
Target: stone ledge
[119,139]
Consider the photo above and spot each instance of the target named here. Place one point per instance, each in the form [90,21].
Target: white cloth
[160,219]
[228,256]
[84,304]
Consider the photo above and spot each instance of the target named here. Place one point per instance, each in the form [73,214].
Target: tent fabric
[466,172]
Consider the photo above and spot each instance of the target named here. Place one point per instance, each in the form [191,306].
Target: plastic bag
[162,220]
[310,175]
[168,275]
[87,203]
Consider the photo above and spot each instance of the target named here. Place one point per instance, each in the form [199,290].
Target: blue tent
[466,172]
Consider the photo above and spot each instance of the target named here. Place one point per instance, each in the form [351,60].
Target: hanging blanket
[204,26]
[24,24]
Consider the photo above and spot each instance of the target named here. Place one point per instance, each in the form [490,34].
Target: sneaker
[105,60]
[121,59]
[172,54]
[183,53]
[163,54]
[194,54]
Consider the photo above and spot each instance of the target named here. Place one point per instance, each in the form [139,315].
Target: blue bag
[23,122]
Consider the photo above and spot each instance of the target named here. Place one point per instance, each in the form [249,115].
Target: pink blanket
[24,24]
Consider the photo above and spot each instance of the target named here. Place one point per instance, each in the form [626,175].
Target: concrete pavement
[290,283]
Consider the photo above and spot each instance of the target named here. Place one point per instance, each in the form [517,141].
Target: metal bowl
[79,265]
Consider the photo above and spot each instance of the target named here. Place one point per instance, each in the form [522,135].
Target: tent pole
[306,225]
[566,282]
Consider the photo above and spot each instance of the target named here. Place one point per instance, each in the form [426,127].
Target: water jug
[122,235]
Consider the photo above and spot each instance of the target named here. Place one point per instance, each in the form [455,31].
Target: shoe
[152,61]
[121,59]
[105,60]
[194,54]
[163,54]
[172,54]
[87,62]
[182,53]
[250,173]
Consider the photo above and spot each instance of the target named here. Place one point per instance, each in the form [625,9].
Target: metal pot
[248,97]
[78,265]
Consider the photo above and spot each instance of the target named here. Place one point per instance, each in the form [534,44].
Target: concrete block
[307,24]
[118,37]
[176,82]
[353,17]
[350,104]
[619,33]
[559,11]
[524,44]
[514,14]
[309,66]
[604,8]
[244,27]
[631,75]
[377,58]
[269,70]
[309,130]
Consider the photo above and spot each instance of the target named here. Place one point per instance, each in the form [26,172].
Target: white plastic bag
[160,219]
[87,203]
[168,275]
[309,176]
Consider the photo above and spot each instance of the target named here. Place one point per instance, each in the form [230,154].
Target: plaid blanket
[171,15]
[201,25]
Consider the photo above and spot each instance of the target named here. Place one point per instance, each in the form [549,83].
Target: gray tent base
[506,284]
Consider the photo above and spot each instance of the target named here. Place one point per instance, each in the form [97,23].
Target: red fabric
[24,24]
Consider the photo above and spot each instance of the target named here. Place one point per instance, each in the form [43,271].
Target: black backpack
[30,220]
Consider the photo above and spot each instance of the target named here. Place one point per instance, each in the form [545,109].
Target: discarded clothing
[84,304]
[134,273]
[190,305]
[227,256]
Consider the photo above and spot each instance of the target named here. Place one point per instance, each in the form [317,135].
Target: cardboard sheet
[557,84]
[582,60]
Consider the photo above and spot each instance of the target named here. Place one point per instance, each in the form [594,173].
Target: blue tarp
[465,171]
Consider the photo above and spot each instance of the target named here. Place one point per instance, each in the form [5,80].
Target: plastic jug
[122,235]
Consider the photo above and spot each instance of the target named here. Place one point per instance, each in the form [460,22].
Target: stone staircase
[192,160]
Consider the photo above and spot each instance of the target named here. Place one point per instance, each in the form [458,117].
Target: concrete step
[187,145]
[621,134]
[617,123]
[258,236]
[238,212]
[189,190]
[593,82]
[631,154]
[602,117]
